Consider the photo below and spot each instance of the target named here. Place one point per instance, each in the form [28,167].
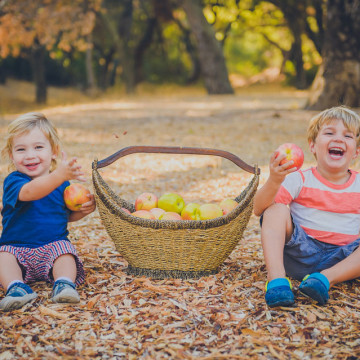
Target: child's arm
[44,185]
[265,196]
[86,209]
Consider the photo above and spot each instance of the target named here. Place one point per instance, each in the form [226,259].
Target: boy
[311,218]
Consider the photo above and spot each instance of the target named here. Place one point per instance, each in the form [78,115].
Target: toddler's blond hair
[24,124]
[349,118]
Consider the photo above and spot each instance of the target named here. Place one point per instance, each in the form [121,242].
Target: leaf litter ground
[222,316]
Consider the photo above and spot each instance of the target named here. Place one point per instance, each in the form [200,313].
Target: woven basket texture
[171,248]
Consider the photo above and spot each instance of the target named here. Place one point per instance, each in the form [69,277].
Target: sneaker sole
[67,296]
[12,303]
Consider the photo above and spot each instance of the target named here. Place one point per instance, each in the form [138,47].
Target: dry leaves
[222,316]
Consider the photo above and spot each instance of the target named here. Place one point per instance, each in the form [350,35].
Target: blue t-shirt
[32,223]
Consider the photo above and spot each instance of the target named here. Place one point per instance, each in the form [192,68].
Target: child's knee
[277,211]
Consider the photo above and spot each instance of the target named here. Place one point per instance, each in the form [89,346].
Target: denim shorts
[37,263]
[304,255]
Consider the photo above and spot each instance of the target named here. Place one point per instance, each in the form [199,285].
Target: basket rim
[112,203]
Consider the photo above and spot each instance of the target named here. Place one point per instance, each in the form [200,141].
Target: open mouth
[336,152]
[32,166]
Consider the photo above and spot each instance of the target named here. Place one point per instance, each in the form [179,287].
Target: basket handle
[177,150]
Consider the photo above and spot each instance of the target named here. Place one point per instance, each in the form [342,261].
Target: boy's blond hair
[349,117]
[24,124]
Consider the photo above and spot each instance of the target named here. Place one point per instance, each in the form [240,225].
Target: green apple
[171,202]
[191,212]
[210,211]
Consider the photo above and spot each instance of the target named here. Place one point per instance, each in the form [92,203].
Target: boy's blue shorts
[304,255]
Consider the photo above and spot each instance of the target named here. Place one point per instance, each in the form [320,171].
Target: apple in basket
[75,195]
[126,210]
[210,211]
[145,214]
[146,201]
[169,215]
[157,212]
[227,205]
[191,212]
[292,152]
[171,202]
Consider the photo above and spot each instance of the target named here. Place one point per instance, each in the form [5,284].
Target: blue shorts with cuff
[305,255]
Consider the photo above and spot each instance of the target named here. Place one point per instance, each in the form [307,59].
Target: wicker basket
[172,248]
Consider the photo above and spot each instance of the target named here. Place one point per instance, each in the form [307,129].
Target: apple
[227,205]
[126,210]
[157,212]
[292,152]
[145,214]
[171,202]
[210,211]
[191,212]
[170,215]
[146,201]
[75,195]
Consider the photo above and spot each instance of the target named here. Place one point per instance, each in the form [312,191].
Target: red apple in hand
[75,195]
[292,152]
[146,201]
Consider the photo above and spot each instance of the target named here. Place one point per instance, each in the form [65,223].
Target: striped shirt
[327,212]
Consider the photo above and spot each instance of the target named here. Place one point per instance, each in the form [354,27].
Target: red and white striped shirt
[326,211]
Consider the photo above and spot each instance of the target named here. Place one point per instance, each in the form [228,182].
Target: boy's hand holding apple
[286,159]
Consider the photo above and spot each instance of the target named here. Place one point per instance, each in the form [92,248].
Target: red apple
[126,210]
[146,201]
[157,212]
[75,195]
[227,205]
[145,214]
[169,215]
[292,152]
[191,212]
[210,211]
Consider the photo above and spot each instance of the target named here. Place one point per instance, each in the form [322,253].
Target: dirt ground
[221,316]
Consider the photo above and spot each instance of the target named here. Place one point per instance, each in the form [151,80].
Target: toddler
[34,243]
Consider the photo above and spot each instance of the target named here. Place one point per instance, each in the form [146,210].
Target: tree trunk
[38,68]
[338,80]
[90,77]
[211,57]
[141,48]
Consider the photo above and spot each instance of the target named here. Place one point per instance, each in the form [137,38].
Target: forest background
[242,76]
[101,46]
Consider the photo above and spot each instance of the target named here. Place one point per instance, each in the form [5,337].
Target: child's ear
[357,152]
[312,147]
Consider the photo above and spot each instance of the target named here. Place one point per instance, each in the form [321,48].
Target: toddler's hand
[69,169]
[88,207]
[278,172]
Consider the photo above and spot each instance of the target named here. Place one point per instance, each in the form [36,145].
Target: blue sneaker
[17,296]
[64,292]
[316,286]
[278,293]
